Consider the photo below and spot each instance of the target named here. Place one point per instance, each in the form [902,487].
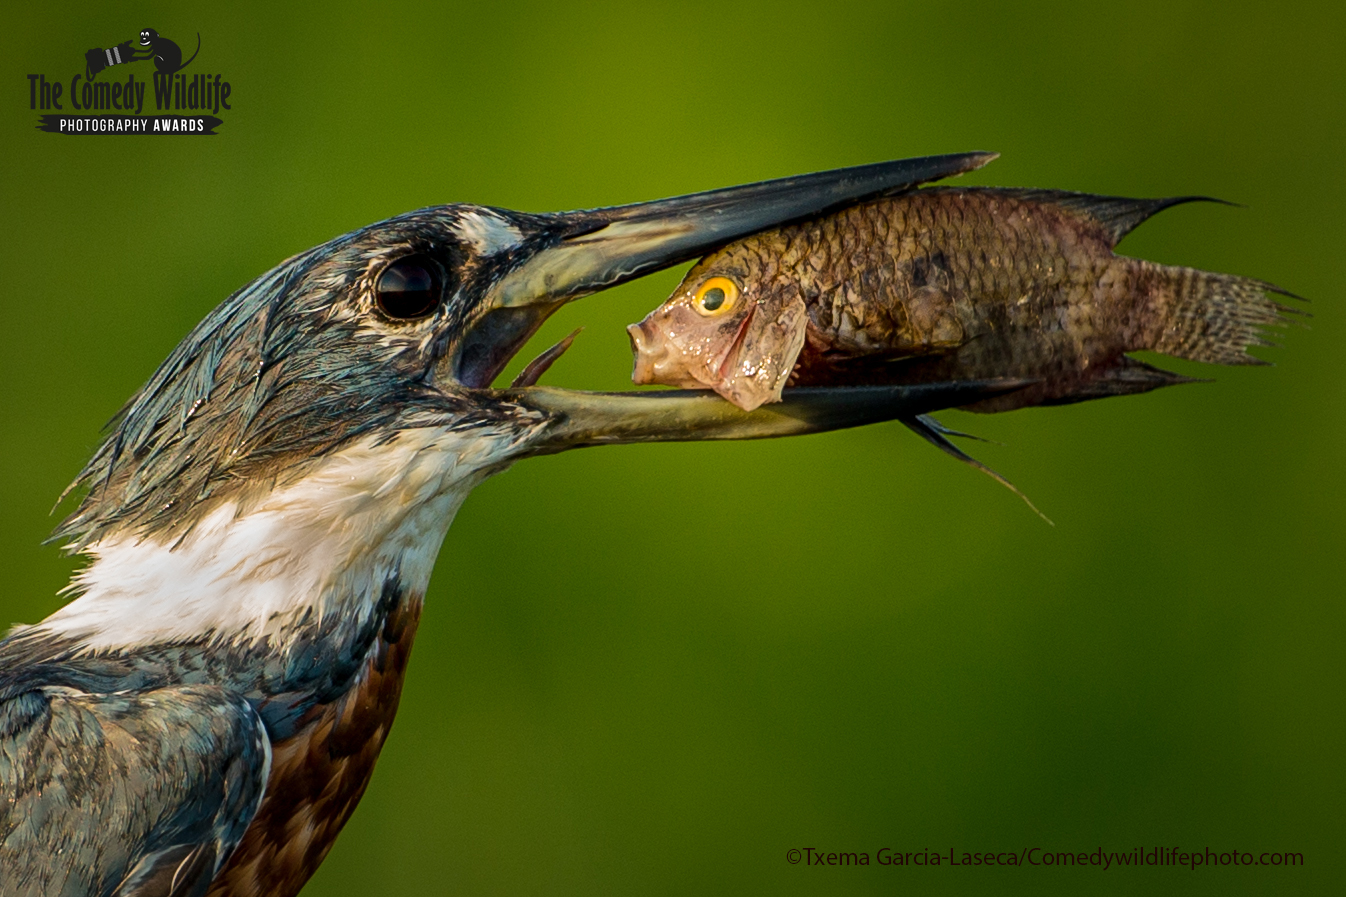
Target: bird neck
[313,555]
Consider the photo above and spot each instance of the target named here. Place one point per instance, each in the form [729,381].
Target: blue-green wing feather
[114,795]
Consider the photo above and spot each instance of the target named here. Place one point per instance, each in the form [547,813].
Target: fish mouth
[565,256]
[659,364]
[648,358]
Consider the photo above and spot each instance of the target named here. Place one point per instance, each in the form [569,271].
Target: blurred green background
[654,670]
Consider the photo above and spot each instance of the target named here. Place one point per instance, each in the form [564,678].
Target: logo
[100,101]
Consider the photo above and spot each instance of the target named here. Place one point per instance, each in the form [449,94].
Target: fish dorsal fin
[1117,214]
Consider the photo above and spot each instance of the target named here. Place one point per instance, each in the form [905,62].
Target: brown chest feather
[319,774]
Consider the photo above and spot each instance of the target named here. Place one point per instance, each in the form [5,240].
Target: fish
[951,283]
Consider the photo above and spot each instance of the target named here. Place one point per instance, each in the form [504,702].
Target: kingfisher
[261,521]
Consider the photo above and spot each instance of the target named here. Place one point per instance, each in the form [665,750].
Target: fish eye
[715,296]
[410,288]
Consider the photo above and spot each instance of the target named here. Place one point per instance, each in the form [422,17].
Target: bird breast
[318,545]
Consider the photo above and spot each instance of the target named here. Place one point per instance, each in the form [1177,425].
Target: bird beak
[574,419]
[574,254]
[601,248]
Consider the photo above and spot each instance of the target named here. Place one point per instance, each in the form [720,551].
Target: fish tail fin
[935,433]
[1215,318]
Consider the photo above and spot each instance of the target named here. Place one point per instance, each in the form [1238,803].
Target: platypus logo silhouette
[166,54]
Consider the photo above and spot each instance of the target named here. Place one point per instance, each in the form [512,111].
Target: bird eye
[410,288]
[715,296]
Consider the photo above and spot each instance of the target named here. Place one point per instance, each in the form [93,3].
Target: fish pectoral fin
[935,433]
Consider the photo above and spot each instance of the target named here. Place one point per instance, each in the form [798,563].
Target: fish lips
[659,362]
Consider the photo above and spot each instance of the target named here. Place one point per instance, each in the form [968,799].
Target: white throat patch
[324,544]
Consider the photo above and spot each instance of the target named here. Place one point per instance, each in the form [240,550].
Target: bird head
[310,441]
[403,325]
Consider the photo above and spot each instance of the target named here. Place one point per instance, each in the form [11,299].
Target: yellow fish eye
[715,296]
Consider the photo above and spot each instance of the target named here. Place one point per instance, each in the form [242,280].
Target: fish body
[949,284]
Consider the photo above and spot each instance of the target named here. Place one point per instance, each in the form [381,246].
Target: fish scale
[261,522]
[950,284]
[957,270]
